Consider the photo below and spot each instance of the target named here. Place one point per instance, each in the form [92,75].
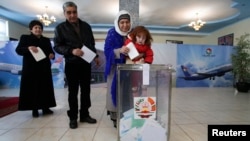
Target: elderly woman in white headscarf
[115,53]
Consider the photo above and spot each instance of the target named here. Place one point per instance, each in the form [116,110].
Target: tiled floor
[192,109]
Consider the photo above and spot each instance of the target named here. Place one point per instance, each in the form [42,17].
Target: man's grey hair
[69,4]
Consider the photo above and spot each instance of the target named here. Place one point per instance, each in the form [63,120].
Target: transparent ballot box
[143,102]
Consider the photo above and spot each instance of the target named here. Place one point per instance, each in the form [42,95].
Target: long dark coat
[36,88]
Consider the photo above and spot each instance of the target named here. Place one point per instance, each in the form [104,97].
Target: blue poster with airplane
[11,67]
[204,66]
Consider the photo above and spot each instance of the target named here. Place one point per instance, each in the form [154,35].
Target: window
[4,30]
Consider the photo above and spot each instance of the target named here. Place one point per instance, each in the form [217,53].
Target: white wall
[16,30]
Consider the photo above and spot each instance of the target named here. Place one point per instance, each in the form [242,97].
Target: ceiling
[160,16]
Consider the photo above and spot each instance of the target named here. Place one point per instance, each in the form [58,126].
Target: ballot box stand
[143,101]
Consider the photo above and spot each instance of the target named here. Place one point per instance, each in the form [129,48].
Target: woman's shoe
[47,111]
[114,122]
[35,113]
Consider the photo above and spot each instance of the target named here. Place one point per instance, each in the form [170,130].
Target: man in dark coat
[36,89]
[70,37]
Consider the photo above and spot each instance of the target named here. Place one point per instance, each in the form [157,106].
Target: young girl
[141,38]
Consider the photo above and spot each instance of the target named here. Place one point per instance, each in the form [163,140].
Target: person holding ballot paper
[139,42]
[36,86]
[115,53]
[75,41]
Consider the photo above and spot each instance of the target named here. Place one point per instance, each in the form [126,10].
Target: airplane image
[17,69]
[12,68]
[210,73]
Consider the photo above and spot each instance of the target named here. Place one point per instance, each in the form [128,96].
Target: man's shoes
[47,111]
[88,120]
[73,124]
[35,113]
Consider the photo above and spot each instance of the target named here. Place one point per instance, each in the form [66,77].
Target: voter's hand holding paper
[88,55]
[38,55]
[132,51]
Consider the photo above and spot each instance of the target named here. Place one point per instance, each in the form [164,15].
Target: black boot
[35,113]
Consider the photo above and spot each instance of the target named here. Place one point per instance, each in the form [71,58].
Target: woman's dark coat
[36,87]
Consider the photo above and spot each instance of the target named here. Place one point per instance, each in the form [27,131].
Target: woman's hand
[33,49]
[51,56]
[97,62]
[77,52]
[124,50]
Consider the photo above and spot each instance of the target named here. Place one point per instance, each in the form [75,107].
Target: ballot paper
[132,51]
[38,55]
[88,55]
[151,130]
[145,74]
[132,135]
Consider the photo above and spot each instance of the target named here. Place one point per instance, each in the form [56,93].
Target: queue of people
[36,89]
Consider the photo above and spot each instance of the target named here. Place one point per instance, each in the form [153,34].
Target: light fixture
[45,19]
[197,24]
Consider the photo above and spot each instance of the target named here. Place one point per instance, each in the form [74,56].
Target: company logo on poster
[145,107]
[208,53]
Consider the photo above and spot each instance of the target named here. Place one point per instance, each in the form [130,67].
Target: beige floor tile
[2,131]
[177,134]
[79,134]
[203,117]
[59,121]
[48,134]
[18,134]
[183,118]
[197,132]
[106,134]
